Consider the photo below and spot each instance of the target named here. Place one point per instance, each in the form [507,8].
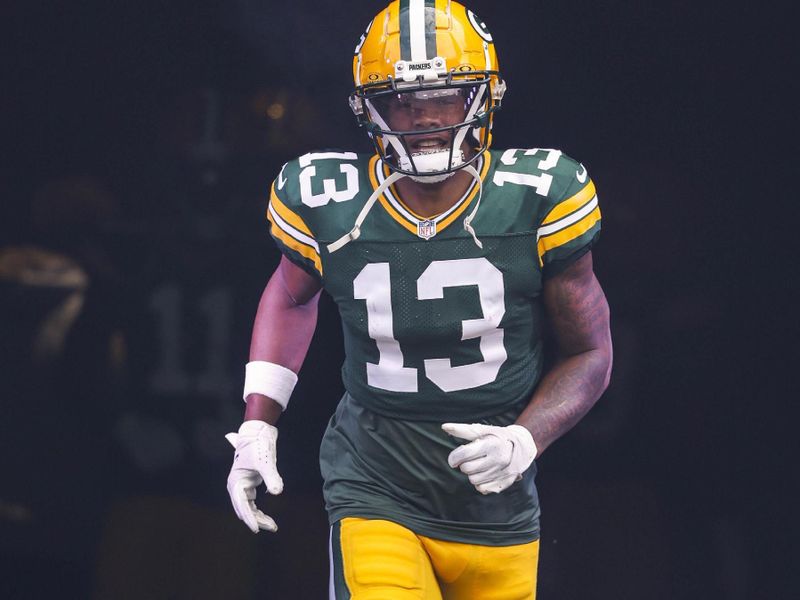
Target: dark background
[139,141]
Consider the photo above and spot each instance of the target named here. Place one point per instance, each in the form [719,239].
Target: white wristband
[269,379]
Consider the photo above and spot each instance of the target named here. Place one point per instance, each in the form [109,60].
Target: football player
[445,259]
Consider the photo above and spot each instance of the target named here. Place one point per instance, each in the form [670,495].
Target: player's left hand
[495,457]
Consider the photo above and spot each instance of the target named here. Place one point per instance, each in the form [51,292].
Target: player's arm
[282,331]
[579,317]
[496,457]
[283,328]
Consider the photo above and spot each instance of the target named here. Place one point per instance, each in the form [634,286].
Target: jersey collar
[417,225]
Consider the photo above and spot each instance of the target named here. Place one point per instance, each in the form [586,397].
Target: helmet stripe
[430,28]
[405,31]
[417,30]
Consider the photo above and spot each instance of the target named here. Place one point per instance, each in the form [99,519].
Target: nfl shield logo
[426,229]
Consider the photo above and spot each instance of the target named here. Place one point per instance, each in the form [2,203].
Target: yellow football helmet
[416,59]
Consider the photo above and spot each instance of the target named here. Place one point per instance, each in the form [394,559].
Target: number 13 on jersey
[374,285]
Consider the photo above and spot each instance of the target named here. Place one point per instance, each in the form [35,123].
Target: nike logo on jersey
[581,174]
[281,178]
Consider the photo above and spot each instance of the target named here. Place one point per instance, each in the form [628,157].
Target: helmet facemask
[427,130]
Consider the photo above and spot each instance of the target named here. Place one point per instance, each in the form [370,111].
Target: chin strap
[356,230]
[468,219]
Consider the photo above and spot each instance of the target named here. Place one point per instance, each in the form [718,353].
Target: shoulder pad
[303,180]
[307,198]
[570,223]
[568,215]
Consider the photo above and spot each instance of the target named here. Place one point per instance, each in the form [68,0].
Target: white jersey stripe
[291,231]
[331,587]
[571,219]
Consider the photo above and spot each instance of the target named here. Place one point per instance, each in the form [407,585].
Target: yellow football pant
[372,559]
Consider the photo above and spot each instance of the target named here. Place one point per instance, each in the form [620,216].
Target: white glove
[495,458]
[253,464]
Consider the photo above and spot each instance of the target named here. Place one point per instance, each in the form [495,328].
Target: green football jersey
[440,325]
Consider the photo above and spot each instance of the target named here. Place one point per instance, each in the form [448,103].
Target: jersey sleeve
[571,225]
[294,237]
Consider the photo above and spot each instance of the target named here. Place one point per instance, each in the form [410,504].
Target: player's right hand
[254,463]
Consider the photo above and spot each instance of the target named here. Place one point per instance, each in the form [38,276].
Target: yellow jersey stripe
[397,216]
[303,249]
[287,215]
[565,222]
[382,199]
[572,204]
[567,234]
